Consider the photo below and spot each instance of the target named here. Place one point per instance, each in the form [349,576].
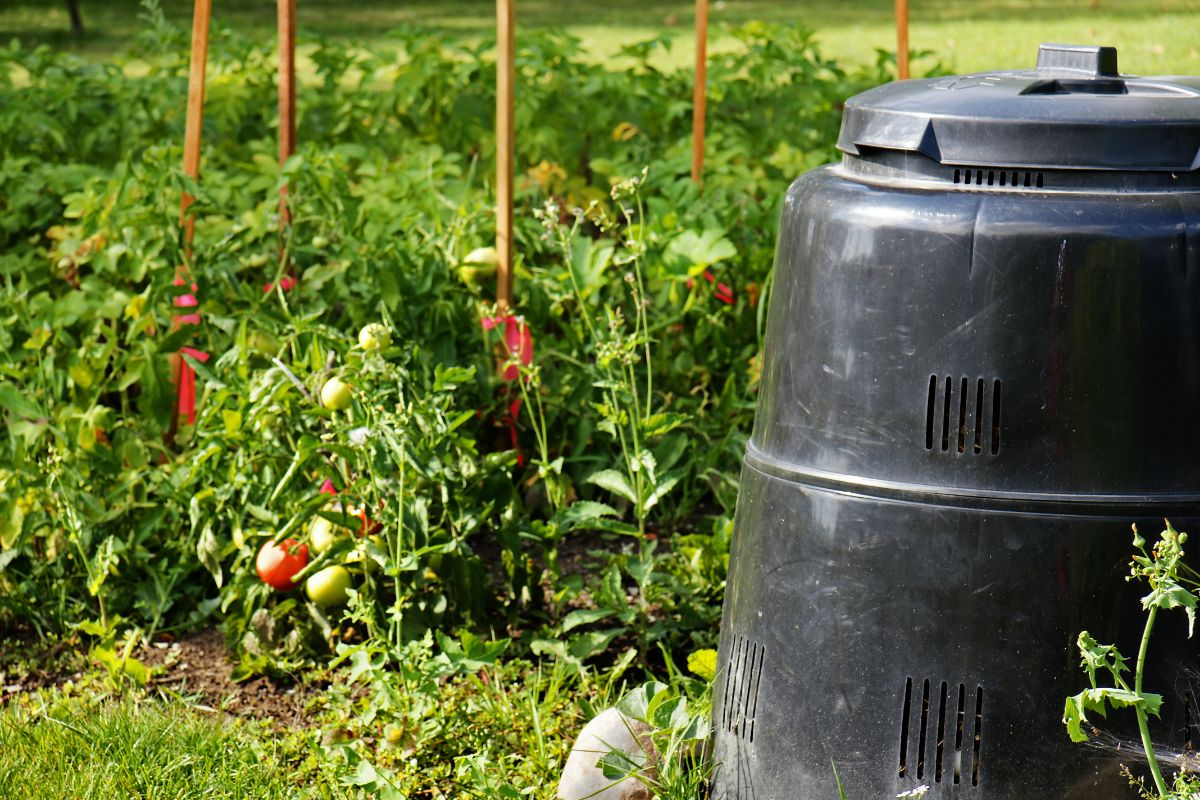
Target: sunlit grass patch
[131,750]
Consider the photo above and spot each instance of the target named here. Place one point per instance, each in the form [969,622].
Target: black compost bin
[982,363]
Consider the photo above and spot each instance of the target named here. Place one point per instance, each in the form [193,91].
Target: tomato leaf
[209,553]
[15,401]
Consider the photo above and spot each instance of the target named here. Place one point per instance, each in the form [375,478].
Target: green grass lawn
[128,750]
[1154,36]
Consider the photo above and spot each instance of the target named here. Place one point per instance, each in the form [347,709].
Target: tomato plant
[474,455]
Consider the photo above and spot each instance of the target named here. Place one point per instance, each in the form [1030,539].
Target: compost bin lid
[1075,111]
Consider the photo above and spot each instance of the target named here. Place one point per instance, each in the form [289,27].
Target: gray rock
[610,730]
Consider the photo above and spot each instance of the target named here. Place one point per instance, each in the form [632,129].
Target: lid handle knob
[1078,60]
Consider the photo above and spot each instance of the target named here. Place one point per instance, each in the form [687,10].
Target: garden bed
[519,514]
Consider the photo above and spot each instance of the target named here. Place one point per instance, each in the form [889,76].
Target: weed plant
[1172,585]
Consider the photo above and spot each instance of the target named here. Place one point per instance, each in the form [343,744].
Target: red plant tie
[723,292]
[187,385]
[514,413]
[518,339]
[287,283]
[185,406]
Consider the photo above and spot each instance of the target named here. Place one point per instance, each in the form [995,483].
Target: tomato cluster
[278,564]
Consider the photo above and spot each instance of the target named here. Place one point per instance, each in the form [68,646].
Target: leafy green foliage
[567,497]
[673,764]
[643,296]
[1163,568]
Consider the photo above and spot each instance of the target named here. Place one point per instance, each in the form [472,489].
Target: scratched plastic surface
[839,604]
[1085,307]
[975,379]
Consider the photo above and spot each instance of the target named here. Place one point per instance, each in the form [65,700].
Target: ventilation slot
[959,719]
[977,447]
[958,423]
[904,727]
[962,417]
[978,738]
[932,408]
[739,704]
[959,734]
[946,415]
[997,395]
[924,727]
[999,179]
[941,736]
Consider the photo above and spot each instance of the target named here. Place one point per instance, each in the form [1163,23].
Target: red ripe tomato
[277,564]
[367,525]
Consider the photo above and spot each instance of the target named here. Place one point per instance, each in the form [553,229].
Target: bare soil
[198,666]
[28,664]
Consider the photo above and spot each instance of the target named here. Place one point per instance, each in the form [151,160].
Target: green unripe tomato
[320,242]
[374,337]
[482,257]
[478,266]
[335,394]
[263,342]
[360,555]
[322,534]
[328,587]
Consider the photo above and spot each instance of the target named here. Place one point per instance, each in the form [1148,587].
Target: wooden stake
[505,88]
[699,94]
[195,109]
[287,95]
[902,39]
[181,373]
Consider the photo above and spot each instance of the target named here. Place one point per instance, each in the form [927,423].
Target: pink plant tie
[518,340]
